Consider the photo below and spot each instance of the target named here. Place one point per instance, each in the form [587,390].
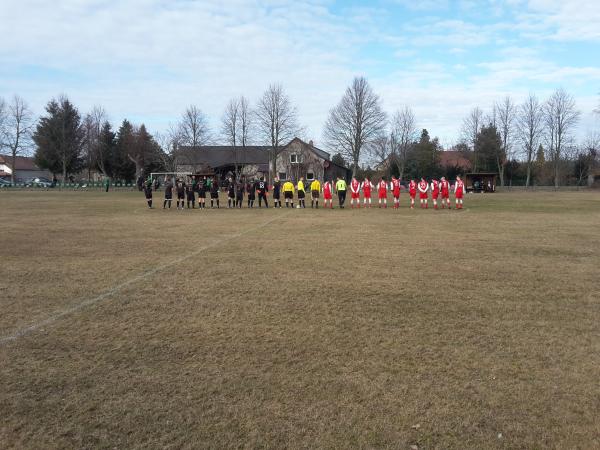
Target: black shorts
[288,194]
[148,193]
[251,196]
[231,194]
[300,194]
[276,195]
[315,194]
[168,196]
[214,195]
[191,197]
[239,197]
[201,194]
[180,196]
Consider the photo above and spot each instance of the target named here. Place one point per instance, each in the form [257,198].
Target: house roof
[223,155]
[21,162]
[454,158]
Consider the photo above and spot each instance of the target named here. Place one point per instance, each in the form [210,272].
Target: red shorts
[459,194]
[396,194]
[413,194]
[423,195]
[445,194]
[382,194]
[367,194]
[327,195]
[435,194]
[355,195]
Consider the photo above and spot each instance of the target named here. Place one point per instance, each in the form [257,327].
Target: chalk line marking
[84,303]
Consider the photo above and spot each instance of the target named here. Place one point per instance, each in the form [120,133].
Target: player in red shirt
[382,190]
[395,188]
[423,195]
[366,187]
[459,191]
[412,190]
[445,191]
[355,193]
[327,190]
[435,192]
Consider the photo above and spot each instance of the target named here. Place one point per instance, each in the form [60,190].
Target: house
[455,159]
[25,168]
[294,160]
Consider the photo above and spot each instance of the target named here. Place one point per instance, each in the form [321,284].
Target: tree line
[523,143]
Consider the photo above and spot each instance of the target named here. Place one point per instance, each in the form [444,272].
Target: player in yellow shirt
[301,193]
[288,193]
[315,190]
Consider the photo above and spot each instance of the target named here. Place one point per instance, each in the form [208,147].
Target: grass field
[124,327]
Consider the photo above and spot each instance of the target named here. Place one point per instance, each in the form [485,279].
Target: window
[310,176]
[295,158]
[282,176]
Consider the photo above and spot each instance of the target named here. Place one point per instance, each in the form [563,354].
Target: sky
[147,60]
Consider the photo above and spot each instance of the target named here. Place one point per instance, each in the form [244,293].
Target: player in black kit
[201,193]
[180,188]
[191,193]
[214,192]
[148,191]
[277,193]
[168,193]
[262,188]
[231,193]
[251,194]
[239,193]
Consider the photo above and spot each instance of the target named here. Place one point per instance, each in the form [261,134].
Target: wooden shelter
[481,182]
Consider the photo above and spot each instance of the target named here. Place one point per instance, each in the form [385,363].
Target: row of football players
[259,188]
[424,188]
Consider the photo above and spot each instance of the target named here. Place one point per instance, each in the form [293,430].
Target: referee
[340,187]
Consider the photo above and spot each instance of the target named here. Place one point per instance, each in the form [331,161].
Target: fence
[80,185]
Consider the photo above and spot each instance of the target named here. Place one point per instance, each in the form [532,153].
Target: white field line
[90,301]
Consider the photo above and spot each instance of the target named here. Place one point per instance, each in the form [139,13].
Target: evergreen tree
[488,146]
[424,159]
[58,138]
[124,167]
[107,158]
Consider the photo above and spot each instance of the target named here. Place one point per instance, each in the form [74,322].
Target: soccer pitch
[124,327]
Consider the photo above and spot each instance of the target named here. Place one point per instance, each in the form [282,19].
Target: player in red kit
[435,192]
[366,187]
[459,191]
[445,191]
[423,195]
[327,194]
[412,190]
[355,193]
[382,190]
[395,188]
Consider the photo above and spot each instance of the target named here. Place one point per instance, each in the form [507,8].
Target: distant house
[25,168]
[455,159]
[296,159]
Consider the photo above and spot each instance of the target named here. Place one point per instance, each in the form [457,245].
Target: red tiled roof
[453,158]
[21,162]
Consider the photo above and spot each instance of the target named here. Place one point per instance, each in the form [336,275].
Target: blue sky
[146,60]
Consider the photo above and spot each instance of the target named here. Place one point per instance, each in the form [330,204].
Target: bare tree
[193,127]
[235,127]
[381,151]
[530,127]
[17,129]
[471,127]
[277,121]
[357,121]
[3,115]
[92,126]
[402,137]
[560,117]
[505,115]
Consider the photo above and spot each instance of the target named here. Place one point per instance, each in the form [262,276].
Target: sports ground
[124,327]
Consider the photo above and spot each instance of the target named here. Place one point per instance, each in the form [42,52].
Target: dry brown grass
[459,327]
